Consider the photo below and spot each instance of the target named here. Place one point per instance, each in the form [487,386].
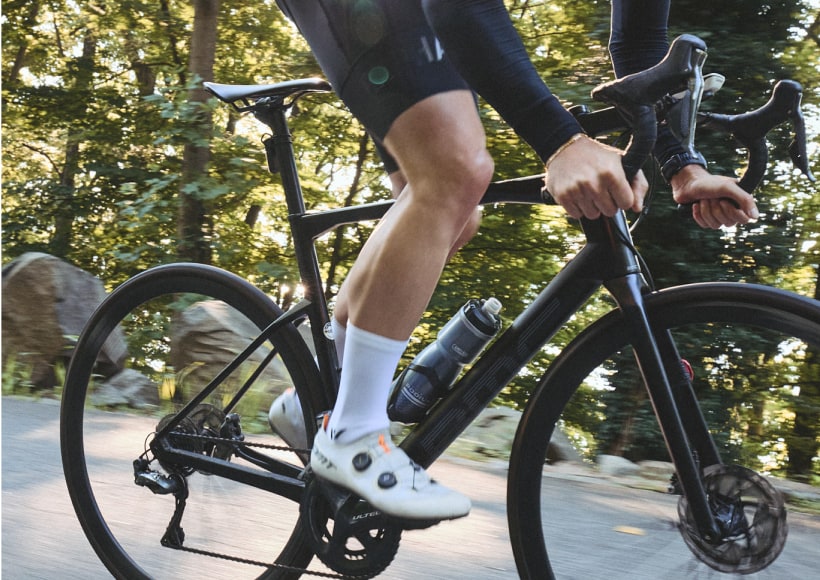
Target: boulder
[659,470]
[492,434]
[127,388]
[616,466]
[46,303]
[206,336]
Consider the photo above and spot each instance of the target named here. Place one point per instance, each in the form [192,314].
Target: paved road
[617,532]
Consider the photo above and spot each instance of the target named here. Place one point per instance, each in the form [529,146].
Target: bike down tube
[628,292]
[598,260]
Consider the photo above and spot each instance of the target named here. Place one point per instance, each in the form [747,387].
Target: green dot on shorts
[378,75]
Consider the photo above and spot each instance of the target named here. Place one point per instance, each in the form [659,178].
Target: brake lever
[676,109]
[797,148]
[637,96]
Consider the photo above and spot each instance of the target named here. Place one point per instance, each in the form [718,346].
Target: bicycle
[731,518]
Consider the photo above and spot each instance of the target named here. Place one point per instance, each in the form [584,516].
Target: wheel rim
[125,522]
[679,307]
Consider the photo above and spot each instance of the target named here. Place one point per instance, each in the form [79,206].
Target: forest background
[115,160]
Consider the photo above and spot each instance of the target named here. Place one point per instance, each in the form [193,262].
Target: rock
[206,336]
[660,470]
[46,303]
[128,388]
[492,433]
[616,466]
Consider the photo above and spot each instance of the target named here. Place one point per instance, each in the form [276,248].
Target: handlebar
[750,130]
[673,90]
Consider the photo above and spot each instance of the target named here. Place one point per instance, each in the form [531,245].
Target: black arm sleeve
[480,39]
[639,40]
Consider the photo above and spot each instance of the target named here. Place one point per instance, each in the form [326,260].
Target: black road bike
[251,506]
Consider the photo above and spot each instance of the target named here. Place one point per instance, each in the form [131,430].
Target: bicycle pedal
[156,482]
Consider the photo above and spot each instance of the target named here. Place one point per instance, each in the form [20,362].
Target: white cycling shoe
[375,469]
[285,418]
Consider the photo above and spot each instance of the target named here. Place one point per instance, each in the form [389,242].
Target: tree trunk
[193,223]
[802,441]
[61,240]
[22,50]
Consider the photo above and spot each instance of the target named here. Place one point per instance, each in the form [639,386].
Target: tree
[193,213]
[108,135]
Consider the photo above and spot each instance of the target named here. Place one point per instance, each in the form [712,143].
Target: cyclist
[407,70]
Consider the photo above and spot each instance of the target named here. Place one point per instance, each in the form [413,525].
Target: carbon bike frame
[608,259]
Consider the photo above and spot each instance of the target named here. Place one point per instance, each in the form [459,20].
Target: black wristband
[679,161]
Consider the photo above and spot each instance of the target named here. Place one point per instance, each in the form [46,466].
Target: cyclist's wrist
[563,148]
[673,165]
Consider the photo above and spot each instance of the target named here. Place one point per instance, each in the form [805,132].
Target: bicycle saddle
[232,93]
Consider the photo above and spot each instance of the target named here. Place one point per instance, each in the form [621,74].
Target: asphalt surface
[599,528]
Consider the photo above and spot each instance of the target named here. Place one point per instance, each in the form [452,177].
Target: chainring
[347,534]
[750,514]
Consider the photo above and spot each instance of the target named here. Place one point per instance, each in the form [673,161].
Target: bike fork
[628,291]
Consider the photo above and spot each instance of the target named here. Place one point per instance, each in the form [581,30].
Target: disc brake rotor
[750,514]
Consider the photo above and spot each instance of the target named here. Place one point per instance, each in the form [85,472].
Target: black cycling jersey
[383,56]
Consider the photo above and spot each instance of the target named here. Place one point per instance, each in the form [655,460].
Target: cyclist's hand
[717,200]
[587,179]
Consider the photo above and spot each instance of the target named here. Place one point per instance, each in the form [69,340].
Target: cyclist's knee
[464,177]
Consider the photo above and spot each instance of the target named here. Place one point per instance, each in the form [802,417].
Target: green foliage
[96,115]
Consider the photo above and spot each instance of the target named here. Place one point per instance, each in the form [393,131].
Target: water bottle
[436,367]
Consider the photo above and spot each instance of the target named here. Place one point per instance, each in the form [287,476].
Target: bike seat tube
[306,259]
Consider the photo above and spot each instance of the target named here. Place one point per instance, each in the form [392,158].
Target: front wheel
[748,349]
[149,350]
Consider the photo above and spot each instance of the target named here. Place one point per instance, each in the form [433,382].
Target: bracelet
[560,150]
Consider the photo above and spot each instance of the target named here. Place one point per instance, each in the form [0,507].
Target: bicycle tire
[127,543]
[688,308]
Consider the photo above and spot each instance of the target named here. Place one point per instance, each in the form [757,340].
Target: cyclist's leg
[446,178]
[398,182]
[390,285]
[385,62]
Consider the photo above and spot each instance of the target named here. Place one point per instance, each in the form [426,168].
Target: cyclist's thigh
[380,55]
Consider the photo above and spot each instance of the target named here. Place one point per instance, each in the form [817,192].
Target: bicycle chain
[226,440]
[284,567]
[230,558]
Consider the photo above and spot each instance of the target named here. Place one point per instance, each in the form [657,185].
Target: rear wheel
[168,333]
[749,349]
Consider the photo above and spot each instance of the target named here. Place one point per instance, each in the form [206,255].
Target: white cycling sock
[339,335]
[370,363]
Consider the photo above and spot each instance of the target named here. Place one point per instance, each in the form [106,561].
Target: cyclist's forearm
[638,34]
[480,39]
[639,40]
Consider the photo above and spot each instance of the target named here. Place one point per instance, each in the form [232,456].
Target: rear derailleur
[208,431]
